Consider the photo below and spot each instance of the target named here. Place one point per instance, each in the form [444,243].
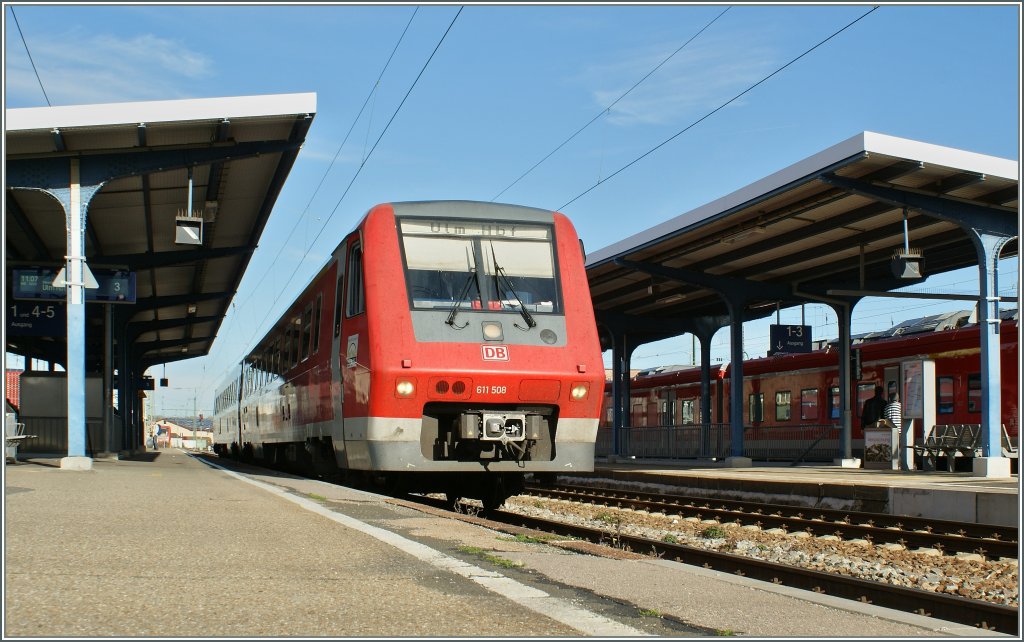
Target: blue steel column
[705,395]
[74,198]
[620,387]
[736,377]
[844,313]
[989,247]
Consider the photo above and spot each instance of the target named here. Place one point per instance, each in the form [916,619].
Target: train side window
[337,306]
[296,338]
[316,322]
[946,396]
[783,405]
[756,403]
[974,392]
[287,348]
[307,331]
[356,298]
[809,403]
[833,402]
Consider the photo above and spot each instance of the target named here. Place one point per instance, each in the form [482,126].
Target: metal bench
[956,440]
[14,434]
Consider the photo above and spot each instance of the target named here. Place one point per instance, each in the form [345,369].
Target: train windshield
[480,265]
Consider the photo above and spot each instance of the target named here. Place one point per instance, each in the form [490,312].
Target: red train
[802,390]
[446,346]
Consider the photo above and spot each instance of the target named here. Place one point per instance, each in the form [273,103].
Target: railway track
[946,536]
[976,613]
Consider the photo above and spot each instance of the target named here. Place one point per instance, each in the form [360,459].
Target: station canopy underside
[820,229]
[239,151]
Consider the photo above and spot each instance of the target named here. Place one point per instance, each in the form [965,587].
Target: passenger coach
[446,346]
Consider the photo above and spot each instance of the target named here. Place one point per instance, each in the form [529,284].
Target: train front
[486,356]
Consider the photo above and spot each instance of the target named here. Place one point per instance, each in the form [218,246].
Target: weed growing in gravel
[725,632]
[319,498]
[713,532]
[670,539]
[649,613]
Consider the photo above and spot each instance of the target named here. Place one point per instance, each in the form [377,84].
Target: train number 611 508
[491,390]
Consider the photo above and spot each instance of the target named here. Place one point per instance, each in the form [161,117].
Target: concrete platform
[168,545]
[956,496]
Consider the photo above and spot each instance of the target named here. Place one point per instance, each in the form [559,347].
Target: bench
[14,435]
[956,440]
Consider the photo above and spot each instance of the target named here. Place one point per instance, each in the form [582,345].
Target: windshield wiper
[499,272]
[463,296]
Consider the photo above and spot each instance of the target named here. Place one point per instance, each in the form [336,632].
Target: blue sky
[509,84]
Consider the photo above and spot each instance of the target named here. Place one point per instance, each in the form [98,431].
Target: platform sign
[34,284]
[36,319]
[789,338]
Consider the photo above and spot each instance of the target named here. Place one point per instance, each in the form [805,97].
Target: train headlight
[492,330]
[579,391]
[404,388]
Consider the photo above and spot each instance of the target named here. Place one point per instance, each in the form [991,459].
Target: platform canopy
[826,226]
[139,157]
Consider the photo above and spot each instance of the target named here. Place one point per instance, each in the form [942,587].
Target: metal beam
[42,252]
[141,327]
[99,167]
[993,220]
[150,303]
[151,260]
[751,290]
[915,295]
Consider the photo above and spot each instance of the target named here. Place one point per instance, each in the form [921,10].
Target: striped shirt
[894,413]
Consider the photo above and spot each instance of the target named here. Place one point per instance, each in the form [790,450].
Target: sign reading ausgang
[38,319]
[32,284]
[789,338]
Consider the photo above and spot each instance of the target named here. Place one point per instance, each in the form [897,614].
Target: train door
[354,357]
[892,381]
[337,388]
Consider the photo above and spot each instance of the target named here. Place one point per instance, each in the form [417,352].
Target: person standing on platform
[873,409]
[894,411]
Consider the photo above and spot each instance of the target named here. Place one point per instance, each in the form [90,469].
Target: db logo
[494,353]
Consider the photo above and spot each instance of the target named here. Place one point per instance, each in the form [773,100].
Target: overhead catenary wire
[716,110]
[608,108]
[330,166]
[29,53]
[356,175]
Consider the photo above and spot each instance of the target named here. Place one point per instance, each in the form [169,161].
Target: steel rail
[953,608]
[1001,541]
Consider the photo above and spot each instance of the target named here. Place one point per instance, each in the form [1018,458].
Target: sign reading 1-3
[789,338]
[32,284]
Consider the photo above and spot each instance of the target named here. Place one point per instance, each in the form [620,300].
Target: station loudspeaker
[188,230]
[908,265]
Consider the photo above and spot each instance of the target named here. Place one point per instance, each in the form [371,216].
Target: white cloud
[696,80]
[79,68]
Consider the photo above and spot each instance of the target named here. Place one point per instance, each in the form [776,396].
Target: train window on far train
[783,405]
[809,403]
[974,392]
[756,403]
[946,397]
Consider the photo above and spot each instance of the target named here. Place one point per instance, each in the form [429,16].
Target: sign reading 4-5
[37,319]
